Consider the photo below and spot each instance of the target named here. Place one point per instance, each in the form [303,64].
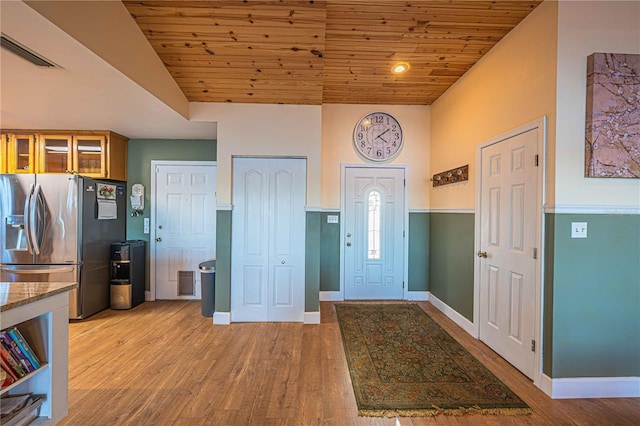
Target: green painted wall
[140,153]
[451,259]
[312,263]
[547,318]
[418,252]
[329,253]
[223,261]
[596,297]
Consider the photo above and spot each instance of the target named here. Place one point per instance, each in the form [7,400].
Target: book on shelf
[24,346]
[12,345]
[6,378]
[10,359]
[8,369]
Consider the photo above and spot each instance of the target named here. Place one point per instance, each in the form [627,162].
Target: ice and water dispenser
[127,274]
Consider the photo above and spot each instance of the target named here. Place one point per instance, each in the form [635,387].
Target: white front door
[374,228]
[185,227]
[268,239]
[508,229]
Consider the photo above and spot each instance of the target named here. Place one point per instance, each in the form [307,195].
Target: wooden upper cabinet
[55,153]
[3,153]
[116,162]
[21,153]
[90,157]
[98,154]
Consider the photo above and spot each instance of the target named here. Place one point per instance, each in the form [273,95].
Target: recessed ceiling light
[400,67]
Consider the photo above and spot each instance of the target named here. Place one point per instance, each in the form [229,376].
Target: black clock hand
[382,134]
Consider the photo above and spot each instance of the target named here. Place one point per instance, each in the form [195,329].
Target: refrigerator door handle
[27,220]
[33,225]
[40,218]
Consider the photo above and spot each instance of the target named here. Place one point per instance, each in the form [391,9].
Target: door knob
[482,254]
[349,244]
[348,234]
[283,262]
[159,226]
[158,239]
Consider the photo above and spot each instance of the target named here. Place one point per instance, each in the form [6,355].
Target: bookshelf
[43,319]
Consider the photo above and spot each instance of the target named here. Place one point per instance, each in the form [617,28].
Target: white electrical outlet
[332,218]
[578,229]
[146,225]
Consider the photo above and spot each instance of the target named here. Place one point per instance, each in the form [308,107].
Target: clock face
[377,137]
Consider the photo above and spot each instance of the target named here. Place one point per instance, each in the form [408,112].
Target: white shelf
[52,335]
[42,368]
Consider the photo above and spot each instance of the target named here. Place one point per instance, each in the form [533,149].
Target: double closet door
[268,239]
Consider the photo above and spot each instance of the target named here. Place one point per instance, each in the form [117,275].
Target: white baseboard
[222,318]
[591,387]
[147,296]
[331,296]
[454,316]
[418,296]
[312,317]
[546,384]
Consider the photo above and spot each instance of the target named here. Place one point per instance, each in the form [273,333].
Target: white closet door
[507,241]
[268,239]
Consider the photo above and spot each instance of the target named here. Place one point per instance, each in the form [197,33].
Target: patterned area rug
[404,364]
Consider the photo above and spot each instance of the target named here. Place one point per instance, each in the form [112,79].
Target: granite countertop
[13,294]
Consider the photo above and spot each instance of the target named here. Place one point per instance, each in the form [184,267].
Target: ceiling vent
[25,53]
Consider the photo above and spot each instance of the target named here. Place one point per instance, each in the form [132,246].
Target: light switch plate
[146,225]
[332,218]
[578,229]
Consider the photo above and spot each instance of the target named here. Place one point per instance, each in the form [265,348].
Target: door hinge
[405,182]
[403,285]
[537,160]
[533,346]
[403,234]
[535,253]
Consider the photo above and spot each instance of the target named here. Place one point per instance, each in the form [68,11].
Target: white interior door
[374,228]
[185,227]
[268,239]
[508,229]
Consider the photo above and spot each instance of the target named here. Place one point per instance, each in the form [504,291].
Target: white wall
[338,122]
[93,24]
[511,85]
[586,27]
[269,130]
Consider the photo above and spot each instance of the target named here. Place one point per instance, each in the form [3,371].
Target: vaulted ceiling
[323,51]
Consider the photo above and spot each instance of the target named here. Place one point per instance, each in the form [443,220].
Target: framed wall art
[612,137]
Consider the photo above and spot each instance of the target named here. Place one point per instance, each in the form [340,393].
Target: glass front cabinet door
[55,153]
[21,153]
[89,155]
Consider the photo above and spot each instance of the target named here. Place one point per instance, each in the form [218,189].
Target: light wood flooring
[162,363]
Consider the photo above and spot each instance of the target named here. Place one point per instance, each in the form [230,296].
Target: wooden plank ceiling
[323,51]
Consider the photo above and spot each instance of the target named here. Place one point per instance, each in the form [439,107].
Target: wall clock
[377,137]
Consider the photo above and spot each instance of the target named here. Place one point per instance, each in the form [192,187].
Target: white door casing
[268,246]
[184,226]
[508,248]
[374,233]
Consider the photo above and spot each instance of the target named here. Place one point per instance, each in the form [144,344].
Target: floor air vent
[25,53]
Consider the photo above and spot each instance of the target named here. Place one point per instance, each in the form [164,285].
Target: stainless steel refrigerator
[60,228]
